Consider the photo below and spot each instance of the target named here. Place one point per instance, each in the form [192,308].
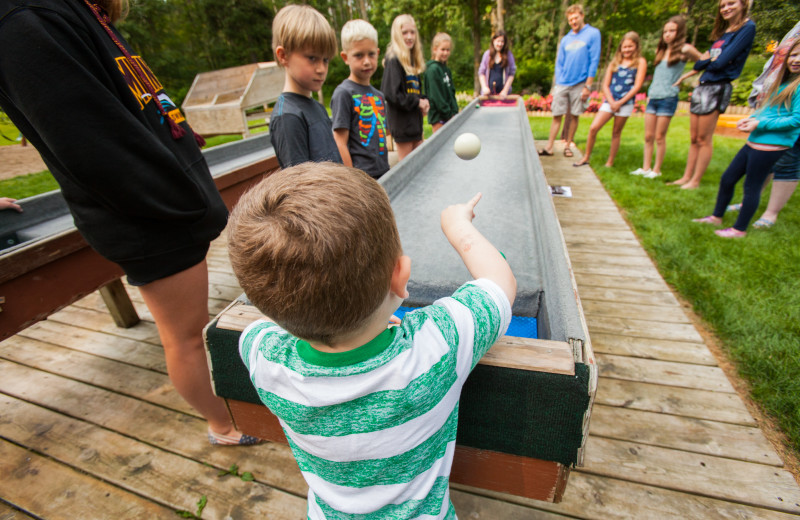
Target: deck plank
[47,489]
[603,498]
[665,373]
[673,400]
[707,475]
[733,441]
[176,432]
[647,348]
[171,480]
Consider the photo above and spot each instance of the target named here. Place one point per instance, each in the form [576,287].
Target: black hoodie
[135,192]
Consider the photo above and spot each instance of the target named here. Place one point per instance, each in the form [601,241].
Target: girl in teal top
[774,129]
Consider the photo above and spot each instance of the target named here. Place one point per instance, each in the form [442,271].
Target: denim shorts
[662,107]
[788,166]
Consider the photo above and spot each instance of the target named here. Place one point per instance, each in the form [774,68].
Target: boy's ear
[281,55]
[400,276]
[343,54]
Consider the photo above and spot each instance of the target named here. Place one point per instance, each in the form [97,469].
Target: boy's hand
[459,212]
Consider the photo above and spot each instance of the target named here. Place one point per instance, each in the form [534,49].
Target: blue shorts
[788,166]
[662,107]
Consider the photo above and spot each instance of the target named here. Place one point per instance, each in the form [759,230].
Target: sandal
[734,207]
[544,151]
[579,164]
[763,223]
[568,152]
[218,439]
[711,219]
[730,233]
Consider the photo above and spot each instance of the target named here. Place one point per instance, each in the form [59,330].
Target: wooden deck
[90,427]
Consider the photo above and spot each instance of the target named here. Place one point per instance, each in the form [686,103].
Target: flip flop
[218,439]
[568,153]
[763,223]
[579,164]
[545,152]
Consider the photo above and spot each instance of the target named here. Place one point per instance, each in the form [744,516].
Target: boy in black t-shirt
[359,109]
[303,43]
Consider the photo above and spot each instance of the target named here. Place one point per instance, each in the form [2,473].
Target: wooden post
[119,304]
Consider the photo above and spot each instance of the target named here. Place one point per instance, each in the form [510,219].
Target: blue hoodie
[578,56]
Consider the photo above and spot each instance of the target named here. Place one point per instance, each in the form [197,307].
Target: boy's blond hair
[300,27]
[314,247]
[574,8]
[357,30]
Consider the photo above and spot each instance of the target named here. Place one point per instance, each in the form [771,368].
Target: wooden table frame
[37,280]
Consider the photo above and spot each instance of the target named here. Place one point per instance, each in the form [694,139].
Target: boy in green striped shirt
[370,412]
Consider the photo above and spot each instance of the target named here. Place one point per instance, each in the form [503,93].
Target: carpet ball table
[524,411]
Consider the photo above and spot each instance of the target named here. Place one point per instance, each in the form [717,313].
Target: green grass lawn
[746,289]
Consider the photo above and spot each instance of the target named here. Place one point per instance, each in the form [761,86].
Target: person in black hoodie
[128,165]
[402,85]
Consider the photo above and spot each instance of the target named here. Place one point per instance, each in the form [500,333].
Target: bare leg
[599,121]
[404,149]
[705,147]
[691,158]
[573,127]
[781,193]
[662,125]
[554,126]
[436,126]
[649,140]
[568,117]
[179,304]
[616,135]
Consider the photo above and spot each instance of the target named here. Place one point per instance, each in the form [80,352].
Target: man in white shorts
[576,66]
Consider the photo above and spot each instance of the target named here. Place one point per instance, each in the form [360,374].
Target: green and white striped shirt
[373,429]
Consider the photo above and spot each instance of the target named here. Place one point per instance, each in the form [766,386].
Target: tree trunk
[562,30]
[500,15]
[476,43]
[362,6]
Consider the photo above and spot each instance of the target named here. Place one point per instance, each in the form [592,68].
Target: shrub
[534,75]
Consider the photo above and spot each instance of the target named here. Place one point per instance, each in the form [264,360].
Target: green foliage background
[180,38]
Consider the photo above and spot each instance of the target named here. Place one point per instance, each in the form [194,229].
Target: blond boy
[303,43]
[358,108]
[370,413]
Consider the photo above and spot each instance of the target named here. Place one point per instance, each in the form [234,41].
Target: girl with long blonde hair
[402,87]
[623,79]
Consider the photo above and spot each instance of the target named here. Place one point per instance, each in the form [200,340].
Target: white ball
[467,146]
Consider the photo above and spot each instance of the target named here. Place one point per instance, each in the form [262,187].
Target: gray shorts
[568,98]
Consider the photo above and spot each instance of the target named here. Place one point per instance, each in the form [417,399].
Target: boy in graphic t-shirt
[358,108]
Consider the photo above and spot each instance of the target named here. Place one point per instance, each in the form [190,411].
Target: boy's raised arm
[481,258]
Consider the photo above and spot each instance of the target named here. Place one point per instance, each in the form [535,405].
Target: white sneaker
[638,171]
[651,174]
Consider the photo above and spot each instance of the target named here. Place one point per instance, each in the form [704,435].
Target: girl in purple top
[497,69]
